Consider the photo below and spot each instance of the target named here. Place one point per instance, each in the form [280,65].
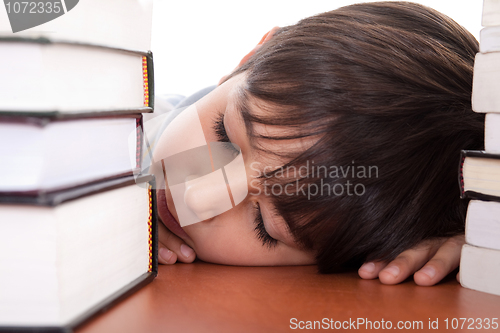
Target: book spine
[145,80]
[153,225]
[461,174]
[150,81]
[139,142]
[150,227]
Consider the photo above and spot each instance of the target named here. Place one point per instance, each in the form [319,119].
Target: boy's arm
[429,262]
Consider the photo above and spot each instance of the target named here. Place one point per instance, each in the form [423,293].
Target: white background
[196,42]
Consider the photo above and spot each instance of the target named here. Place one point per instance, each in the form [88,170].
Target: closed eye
[261,231]
[220,132]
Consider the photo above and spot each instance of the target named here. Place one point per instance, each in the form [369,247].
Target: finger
[408,262]
[446,259]
[165,256]
[370,270]
[173,243]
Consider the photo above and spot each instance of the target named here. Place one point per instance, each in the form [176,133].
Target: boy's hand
[429,262]
[171,248]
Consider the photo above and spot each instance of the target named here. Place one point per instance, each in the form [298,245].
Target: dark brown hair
[386,85]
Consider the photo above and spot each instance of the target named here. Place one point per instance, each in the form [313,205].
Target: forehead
[271,138]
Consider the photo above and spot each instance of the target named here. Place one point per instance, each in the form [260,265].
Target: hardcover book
[479,175]
[88,247]
[124,24]
[41,154]
[491,13]
[480,268]
[492,133]
[482,226]
[40,76]
[486,83]
[490,39]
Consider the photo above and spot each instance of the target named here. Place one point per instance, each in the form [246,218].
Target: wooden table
[203,297]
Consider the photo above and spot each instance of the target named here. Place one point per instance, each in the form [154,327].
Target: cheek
[227,239]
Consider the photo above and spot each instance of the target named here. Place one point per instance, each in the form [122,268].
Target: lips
[166,217]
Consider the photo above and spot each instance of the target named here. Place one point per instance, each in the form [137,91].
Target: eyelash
[261,231]
[220,132]
[219,129]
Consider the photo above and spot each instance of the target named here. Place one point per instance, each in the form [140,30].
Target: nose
[207,196]
[201,196]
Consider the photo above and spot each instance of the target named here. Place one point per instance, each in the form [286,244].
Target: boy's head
[350,125]
[384,92]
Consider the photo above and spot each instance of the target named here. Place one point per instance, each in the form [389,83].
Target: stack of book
[77,220]
[480,170]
